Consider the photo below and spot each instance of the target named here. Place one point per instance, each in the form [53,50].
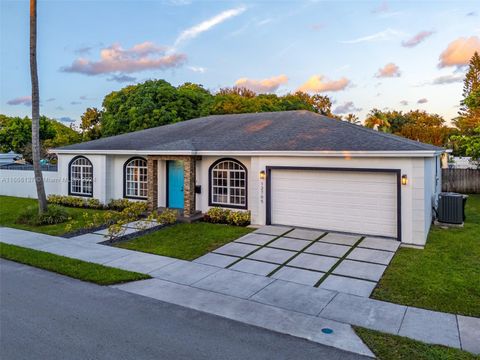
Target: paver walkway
[284,306]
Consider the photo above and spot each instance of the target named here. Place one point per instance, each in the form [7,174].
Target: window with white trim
[136,178]
[81,177]
[228,184]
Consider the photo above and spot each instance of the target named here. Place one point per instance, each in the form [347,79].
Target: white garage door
[357,202]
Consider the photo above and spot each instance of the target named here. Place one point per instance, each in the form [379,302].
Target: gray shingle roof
[274,131]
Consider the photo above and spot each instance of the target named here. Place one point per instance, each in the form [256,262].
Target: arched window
[81,176]
[135,178]
[228,184]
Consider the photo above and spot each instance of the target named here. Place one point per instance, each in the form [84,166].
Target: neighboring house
[9,158]
[291,168]
[459,162]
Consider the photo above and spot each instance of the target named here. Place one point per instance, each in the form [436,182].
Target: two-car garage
[361,201]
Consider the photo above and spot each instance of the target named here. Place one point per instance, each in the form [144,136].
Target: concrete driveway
[351,264]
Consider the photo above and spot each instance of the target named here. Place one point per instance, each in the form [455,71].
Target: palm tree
[377,119]
[42,199]
[352,118]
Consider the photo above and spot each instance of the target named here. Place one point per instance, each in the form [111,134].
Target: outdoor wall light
[263,175]
[404,179]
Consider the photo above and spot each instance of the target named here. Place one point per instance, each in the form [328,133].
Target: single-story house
[291,168]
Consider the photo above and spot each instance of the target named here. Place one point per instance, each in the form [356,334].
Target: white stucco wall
[101,182]
[417,196]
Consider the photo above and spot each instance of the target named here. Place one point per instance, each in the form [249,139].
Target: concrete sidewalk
[291,308]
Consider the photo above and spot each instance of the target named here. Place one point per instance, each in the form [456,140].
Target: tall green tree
[16,135]
[90,124]
[469,114]
[425,127]
[42,198]
[152,103]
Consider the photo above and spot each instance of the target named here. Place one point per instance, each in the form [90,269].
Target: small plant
[225,216]
[129,214]
[54,215]
[166,217]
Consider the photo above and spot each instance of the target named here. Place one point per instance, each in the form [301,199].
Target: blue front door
[175,184]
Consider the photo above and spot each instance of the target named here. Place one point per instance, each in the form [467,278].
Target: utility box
[451,208]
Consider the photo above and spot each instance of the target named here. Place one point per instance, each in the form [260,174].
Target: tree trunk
[42,199]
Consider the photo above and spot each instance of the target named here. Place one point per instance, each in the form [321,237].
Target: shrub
[238,218]
[73,201]
[121,204]
[218,215]
[54,215]
[90,203]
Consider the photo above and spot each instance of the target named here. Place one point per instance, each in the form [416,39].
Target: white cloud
[318,83]
[387,34]
[447,79]
[262,86]
[422,101]
[389,70]
[206,25]
[198,69]
[459,51]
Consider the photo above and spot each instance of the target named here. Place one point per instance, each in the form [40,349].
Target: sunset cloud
[22,100]
[388,71]
[459,51]
[143,56]
[206,25]
[347,107]
[318,83]
[262,86]
[417,39]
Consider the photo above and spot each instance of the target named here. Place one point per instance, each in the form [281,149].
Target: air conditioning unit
[451,208]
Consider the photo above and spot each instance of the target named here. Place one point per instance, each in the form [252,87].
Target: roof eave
[391,153]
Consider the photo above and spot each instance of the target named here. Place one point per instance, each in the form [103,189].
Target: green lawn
[10,207]
[186,241]
[391,347]
[78,269]
[445,276]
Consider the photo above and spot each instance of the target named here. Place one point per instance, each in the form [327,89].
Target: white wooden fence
[21,183]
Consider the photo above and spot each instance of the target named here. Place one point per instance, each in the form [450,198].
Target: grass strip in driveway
[185,241]
[393,347]
[78,269]
[445,276]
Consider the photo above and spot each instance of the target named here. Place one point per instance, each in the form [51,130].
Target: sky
[393,55]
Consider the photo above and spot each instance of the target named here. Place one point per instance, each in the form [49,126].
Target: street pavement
[48,316]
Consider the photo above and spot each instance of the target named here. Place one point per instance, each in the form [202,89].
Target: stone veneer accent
[189,207]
